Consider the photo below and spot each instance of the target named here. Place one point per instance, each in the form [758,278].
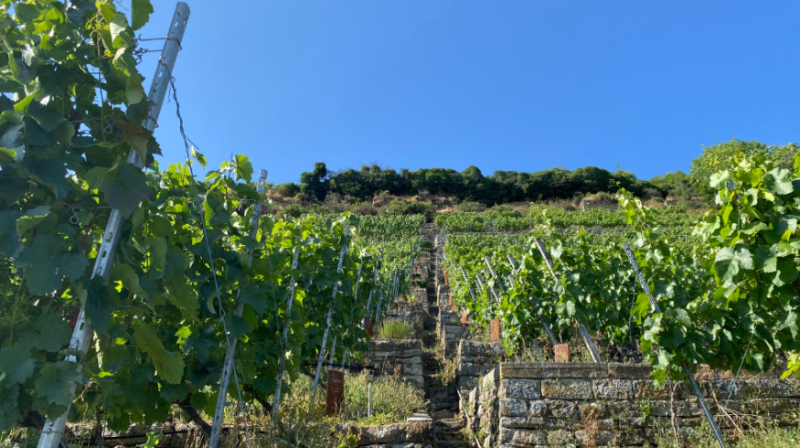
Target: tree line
[514,186]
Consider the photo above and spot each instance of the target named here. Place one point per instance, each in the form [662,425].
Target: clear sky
[521,85]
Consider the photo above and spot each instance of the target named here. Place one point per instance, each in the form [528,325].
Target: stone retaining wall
[525,405]
[388,356]
[451,331]
[396,435]
[474,360]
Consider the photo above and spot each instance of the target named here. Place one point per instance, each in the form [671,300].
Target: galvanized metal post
[374,282]
[494,274]
[542,320]
[82,332]
[330,312]
[282,362]
[230,350]
[692,382]
[587,339]
[466,281]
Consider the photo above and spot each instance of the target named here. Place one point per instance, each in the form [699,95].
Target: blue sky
[513,85]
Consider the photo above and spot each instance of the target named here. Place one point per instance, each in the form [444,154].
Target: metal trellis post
[330,312]
[542,320]
[230,350]
[692,382]
[82,332]
[587,339]
[284,335]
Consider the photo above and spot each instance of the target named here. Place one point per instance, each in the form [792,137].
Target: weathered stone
[613,389]
[560,437]
[568,389]
[772,405]
[456,329]
[773,389]
[416,379]
[522,437]
[562,408]
[467,381]
[593,437]
[593,410]
[629,371]
[409,353]
[537,408]
[470,369]
[412,369]
[683,408]
[521,389]
[722,389]
[396,433]
[476,349]
[646,390]
[512,407]
[412,360]
[582,370]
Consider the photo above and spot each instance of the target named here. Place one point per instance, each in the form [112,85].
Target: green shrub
[363,208]
[287,190]
[405,207]
[470,206]
[395,329]
[393,399]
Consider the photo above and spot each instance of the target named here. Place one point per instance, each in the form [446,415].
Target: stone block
[537,408]
[646,390]
[412,369]
[522,437]
[770,388]
[772,405]
[396,433]
[523,389]
[593,437]
[720,389]
[409,353]
[567,389]
[683,408]
[593,410]
[541,370]
[476,349]
[613,389]
[560,437]
[629,371]
[415,379]
[512,407]
[562,408]
[412,360]
[467,382]
[470,370]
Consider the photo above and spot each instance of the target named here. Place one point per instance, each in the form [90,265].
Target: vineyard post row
[82,331]
[230,349]
[687,372]
[285,333]
[330,313]
[542,320]
[587,339]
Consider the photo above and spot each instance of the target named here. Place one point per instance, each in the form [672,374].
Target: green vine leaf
[45,264]
[169,365]
[140,13]
[125,190]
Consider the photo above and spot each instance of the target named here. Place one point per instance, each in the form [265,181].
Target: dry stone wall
[474,360]
[524,405]
[397,435]
[403,357]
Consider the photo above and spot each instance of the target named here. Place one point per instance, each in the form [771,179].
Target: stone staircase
[449,426]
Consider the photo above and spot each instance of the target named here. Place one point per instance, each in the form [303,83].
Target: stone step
[442,415]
